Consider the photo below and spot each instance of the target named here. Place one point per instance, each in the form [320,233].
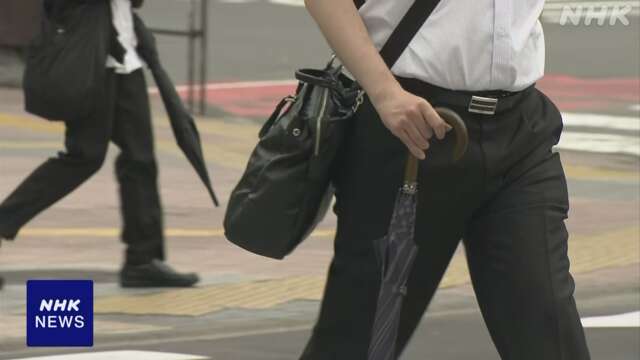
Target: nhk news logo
[60,313]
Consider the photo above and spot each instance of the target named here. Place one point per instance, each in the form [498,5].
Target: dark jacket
[69,55]
[64,11]
[56,8]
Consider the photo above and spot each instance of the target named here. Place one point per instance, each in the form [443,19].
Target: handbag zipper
[323,108]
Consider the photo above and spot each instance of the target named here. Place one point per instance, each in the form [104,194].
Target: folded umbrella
[397,250]
[182,123]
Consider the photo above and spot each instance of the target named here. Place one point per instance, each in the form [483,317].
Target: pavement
[10,67]
[246,302]
[251,308]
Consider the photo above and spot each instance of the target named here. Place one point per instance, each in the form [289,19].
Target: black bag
[65,65]
[285,190]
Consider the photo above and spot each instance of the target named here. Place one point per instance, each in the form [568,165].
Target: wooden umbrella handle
[462,142]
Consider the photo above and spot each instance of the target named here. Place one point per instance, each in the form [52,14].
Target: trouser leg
[367,183]
[517,254]
[448,194]
[86,142]
[517,245]
[364,207]
[137,172]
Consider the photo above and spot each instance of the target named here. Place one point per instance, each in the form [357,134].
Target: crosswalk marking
[627,320]
[120,355]
[600,143]
[600,121]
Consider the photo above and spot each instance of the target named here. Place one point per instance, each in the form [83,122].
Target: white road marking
[600,143]
[601,121]
[119,355]
[288,2]
[628,320]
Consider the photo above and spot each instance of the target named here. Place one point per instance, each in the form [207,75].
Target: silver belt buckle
[483,105]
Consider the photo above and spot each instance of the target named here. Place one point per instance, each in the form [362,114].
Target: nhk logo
[60,313]
[62,321]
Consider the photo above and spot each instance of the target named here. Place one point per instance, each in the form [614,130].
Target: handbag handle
[462,143]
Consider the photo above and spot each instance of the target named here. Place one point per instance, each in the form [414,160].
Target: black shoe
[155,274]
[7,236]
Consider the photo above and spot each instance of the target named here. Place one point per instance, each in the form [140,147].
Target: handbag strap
[406,30]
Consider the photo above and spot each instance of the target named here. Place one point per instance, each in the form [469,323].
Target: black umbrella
[397,251]
[182,123]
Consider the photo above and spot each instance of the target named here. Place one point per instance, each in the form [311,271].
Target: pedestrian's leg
[137,172]
[86,142]
[448,194]
[517,254]
[365,196]
[368,179]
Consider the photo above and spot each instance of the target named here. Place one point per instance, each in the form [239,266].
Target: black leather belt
[477,102]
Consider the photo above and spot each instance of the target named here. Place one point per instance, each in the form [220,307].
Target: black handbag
[285,190]
[65,64]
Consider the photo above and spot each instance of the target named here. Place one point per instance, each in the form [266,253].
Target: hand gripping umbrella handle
[462,142]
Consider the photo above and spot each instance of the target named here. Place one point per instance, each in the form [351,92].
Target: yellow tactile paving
[243,131]
[30,145]
[239,141]
[587,254]
[578,172]
[112,232]
[31,123]
[193,302]
[99,232]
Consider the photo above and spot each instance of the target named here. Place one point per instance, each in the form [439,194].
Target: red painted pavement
[570,93]
[591,95]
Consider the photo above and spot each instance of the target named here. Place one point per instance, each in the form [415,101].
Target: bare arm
[410,118]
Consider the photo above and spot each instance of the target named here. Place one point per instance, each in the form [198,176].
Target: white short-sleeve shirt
[123,21]
[467,44]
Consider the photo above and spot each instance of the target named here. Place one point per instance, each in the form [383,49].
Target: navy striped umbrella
[397,251]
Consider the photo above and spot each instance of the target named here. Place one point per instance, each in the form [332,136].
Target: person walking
[506,198]
[121,115]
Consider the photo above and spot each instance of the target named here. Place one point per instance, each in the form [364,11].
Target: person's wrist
[384,92]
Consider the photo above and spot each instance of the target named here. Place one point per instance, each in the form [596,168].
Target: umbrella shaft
[411,175]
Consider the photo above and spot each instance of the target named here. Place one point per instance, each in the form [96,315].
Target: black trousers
[122,116]
[507,198]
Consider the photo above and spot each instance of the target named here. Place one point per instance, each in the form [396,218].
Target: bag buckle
[483,105]
[359,101]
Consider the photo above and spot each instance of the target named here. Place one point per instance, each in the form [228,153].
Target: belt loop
[483,105]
